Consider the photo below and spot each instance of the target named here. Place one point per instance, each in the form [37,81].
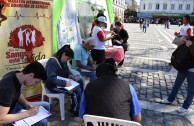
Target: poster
[67,28]
[25,30]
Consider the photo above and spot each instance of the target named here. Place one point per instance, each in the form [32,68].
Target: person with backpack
[181,75]
[185,31]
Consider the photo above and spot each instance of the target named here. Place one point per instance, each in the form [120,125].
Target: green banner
[57,7]
[110,10]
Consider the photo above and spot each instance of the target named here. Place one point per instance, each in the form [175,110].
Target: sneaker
[165,101]
[182,111]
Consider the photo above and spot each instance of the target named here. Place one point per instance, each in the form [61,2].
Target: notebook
[74,84]
[42,114]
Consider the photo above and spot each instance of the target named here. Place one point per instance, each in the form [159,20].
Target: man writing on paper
[82,59]
[11,99]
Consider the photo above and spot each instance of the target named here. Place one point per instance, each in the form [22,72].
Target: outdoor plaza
[146,68]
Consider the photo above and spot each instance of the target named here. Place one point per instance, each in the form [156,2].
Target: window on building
[180,6]
[188,7]
[165,6]
[172,6]
[150,6]
[157,6]
[144,6]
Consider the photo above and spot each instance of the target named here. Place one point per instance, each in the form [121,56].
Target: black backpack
[181,58]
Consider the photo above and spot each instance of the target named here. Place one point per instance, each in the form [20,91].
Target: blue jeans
[190,88]
[75,97]
[19,107]
[91,75]
[81,84]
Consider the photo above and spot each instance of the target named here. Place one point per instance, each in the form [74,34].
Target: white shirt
[100,44]
[184,29]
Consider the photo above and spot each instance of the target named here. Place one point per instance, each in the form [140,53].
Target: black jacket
[108,96]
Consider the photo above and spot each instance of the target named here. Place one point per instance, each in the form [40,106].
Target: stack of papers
[74,84]
[42,114]
[117,47]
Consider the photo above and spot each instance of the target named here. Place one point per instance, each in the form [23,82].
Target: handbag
[179,40]
[126,46]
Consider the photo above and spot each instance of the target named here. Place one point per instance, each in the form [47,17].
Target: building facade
[131,4]
[167,6]
[119,8]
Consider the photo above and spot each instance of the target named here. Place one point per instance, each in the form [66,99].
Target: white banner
[68,29]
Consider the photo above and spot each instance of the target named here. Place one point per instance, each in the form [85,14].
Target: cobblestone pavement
[147,64]
[146,68]
[154,118]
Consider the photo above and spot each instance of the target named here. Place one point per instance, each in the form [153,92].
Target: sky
[138,2]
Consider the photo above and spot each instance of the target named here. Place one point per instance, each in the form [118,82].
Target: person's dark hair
[118,24]
[65,49]
[105,69]
[96,22]
[187,17]
[36,68]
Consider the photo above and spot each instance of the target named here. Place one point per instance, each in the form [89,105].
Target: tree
[130,13]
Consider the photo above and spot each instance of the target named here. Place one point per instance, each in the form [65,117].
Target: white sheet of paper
[84,70]
[73,83]
[20,123]
[117,47]
[43,113]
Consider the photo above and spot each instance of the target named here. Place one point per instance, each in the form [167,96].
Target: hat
[102,19]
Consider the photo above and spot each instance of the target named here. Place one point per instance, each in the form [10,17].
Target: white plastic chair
[106,121]
[60,96]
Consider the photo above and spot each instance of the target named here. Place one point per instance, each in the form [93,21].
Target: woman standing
[57,66]
[113,26]
[98,53]
[120,39]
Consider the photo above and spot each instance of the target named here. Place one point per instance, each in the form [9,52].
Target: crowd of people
[104,95]
[88,59]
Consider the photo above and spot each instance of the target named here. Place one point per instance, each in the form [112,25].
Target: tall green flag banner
[57,8]
[110,10]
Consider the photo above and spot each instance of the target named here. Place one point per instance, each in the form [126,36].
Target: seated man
[110,96]
[82,59]
[11,99]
